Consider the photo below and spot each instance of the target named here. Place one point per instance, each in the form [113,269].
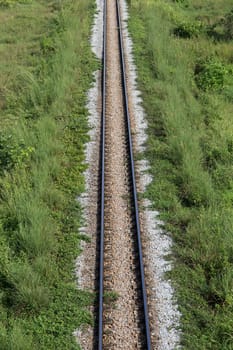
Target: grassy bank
[45,70]
[185,62]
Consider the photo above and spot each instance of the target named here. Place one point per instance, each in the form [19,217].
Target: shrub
[222,29]
[188,29]
[6,152]
[12,153]
[6,3]
[210,75]
[229,25]
[184,3]
[9,3]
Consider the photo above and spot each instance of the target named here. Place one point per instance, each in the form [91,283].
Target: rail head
[102,160]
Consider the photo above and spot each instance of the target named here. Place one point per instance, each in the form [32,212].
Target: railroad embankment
[183,52]
[45,70]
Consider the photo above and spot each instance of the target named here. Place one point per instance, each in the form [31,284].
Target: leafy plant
[12,153]
[182,2]
[189,30]
[210,74]
[9,3]
[228,25]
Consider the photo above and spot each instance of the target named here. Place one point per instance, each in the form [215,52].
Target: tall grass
[190,152]
[44,128]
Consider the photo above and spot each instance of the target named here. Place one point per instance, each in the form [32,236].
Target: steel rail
[132,167]
[101,266]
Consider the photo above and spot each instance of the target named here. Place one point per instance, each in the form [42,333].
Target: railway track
[124,323]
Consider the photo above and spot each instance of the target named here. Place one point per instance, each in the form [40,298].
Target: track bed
[123,324]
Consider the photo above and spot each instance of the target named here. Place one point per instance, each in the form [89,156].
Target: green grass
[46,68]
[185,61]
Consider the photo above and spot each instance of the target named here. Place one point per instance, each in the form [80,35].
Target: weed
[111,297]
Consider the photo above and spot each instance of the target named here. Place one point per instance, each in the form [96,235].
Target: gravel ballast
[164,314]
[122,319]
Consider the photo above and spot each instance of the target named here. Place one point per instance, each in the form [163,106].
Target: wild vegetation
[184,55]
[45,70]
